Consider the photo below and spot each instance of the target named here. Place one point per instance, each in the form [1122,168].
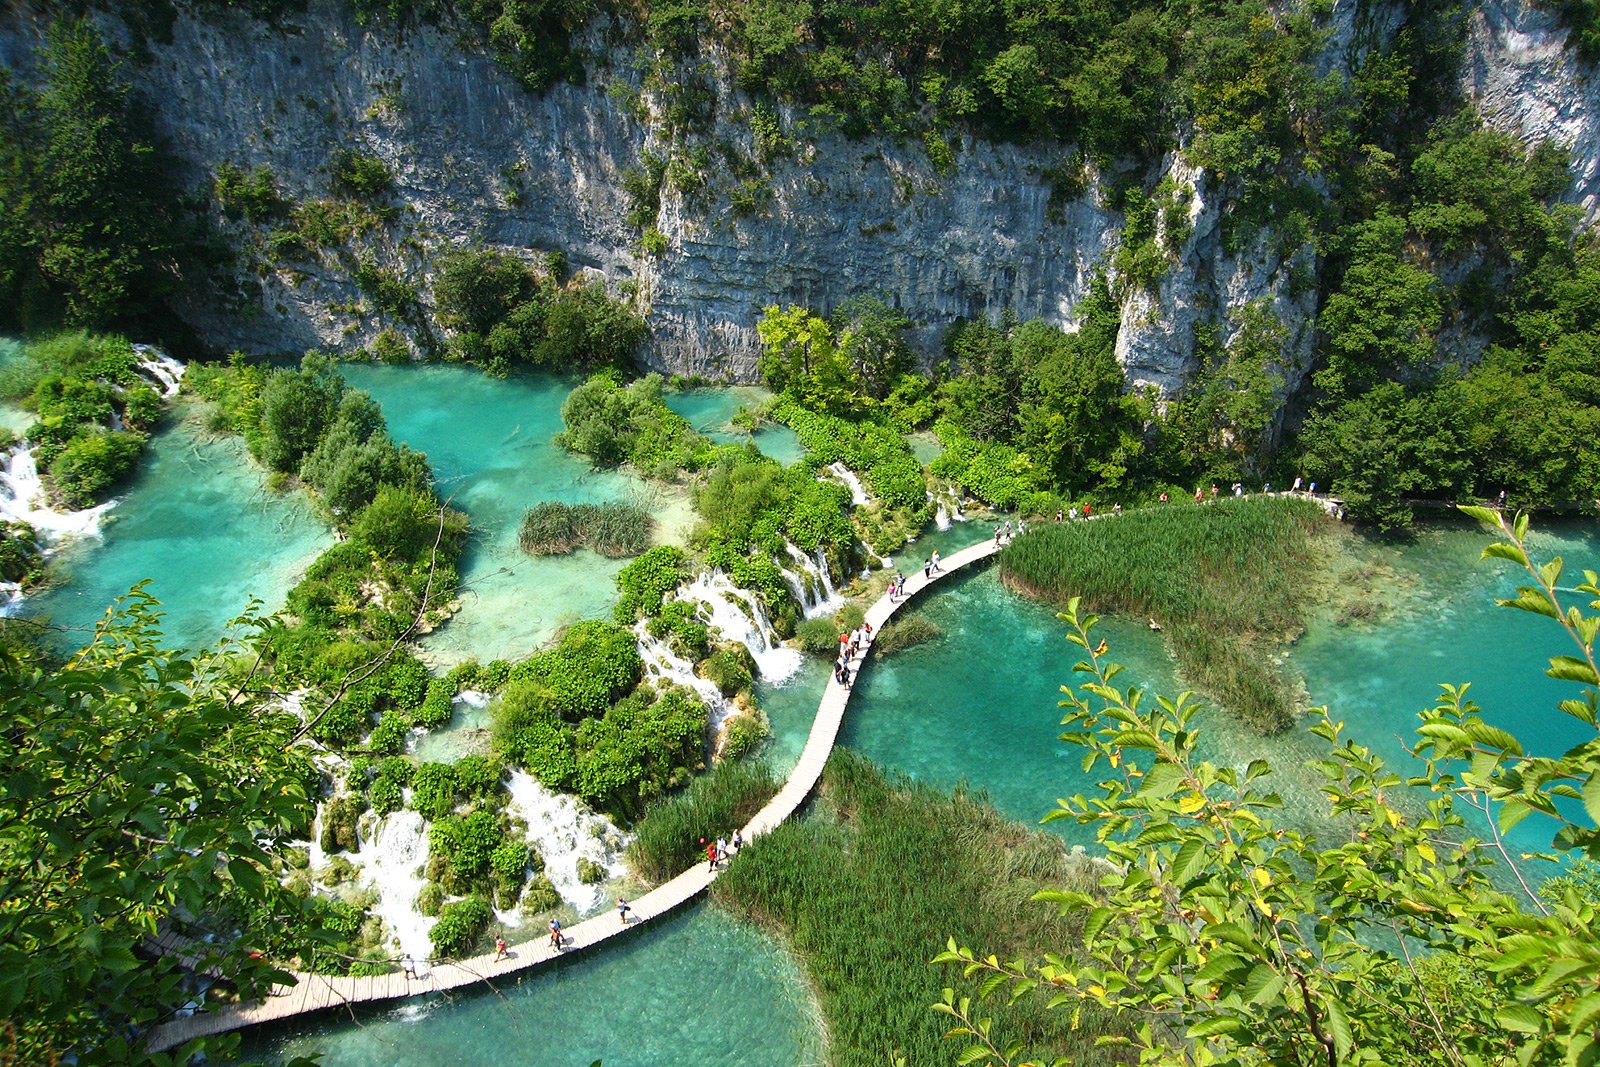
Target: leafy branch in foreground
[1229,937]
[135,794]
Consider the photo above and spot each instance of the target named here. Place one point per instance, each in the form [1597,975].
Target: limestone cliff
[477,158]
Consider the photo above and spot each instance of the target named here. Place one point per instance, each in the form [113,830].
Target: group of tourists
[718,851]
[931,566]
[850,643]
[1002,531]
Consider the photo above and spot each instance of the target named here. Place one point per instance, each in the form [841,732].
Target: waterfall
[164,372]
[663,665]
[564,830]
[740,617]
[843,474]
[23,499]
[811,582]
[394,861]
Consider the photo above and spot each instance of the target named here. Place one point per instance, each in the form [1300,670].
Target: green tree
[1383,317]
[1232,938]
[138,791]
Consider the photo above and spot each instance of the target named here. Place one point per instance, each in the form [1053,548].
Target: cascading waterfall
[163,371]
[661,664]
[564,830]
[23,499]
[811,583]
[947,507]
[740,617]
[844,475]
[394,860]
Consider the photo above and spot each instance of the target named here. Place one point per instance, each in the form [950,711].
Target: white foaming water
[394,862]
[812,584]
[563,830]
[740,618]
[948,507]
[162,370]
[23,499]
[858,492]
[665,666]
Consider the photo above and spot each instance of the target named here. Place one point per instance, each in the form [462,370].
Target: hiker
[1059,513]
[927,569]
[622,910]
[1163,496]
[1116,509]
[1008,530]
[409,965]
[1296,488]
[997,533]
[1313,489]
[844,675]
[1086,508]
[555,933]
[738,841]
[500,952]
[1502,499]
[711,856]
[934,559]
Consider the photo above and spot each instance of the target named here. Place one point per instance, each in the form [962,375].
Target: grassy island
[1226,582]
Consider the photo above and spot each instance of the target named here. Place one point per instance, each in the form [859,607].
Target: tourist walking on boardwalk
[934,559]
[1163,496]
[622,910]
[738,841]
[711,856]
[997,533]
[1008,531]
[1058,515]
[555,933]
[722,850]
[408,964]
[1297,483]
[927,568]
[500,951]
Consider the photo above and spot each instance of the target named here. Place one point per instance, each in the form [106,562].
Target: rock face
[478,159]
[1525,82]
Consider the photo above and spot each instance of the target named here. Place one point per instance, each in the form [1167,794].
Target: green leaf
[1532,600]
[1521,1018]
[1263,986]
[1215,1026]
[1591,797]
[1572,669]
[1339,1027]
[1503,550]
[245,874]
[1188,861]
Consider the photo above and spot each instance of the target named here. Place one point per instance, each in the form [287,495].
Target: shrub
[613,529]
[389,736]
[459,927]
[820,637]
[433,790]
[730,668]
[590,872]
[745,734]
[437,706]
[430,899]
[678,623]
[478,777]
[359,174]
[92,463]
[591,665]
[643,584]
[668,837]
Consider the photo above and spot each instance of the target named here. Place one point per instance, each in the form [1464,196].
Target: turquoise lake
[198,521]
[976,705]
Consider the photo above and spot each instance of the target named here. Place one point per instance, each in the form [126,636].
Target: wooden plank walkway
[317,992]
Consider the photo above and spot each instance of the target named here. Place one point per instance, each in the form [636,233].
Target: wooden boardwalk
[317,992]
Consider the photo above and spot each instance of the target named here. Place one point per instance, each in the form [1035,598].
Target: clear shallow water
[693,990]
[979,704]
[198,520]
[709,411]
[490,443]
[1448,629]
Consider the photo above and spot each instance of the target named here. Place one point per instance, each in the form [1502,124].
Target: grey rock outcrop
[478,159]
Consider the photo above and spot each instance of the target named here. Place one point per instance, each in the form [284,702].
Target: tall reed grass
[667,841]
[869,889]
[1227,582]
[616,529]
